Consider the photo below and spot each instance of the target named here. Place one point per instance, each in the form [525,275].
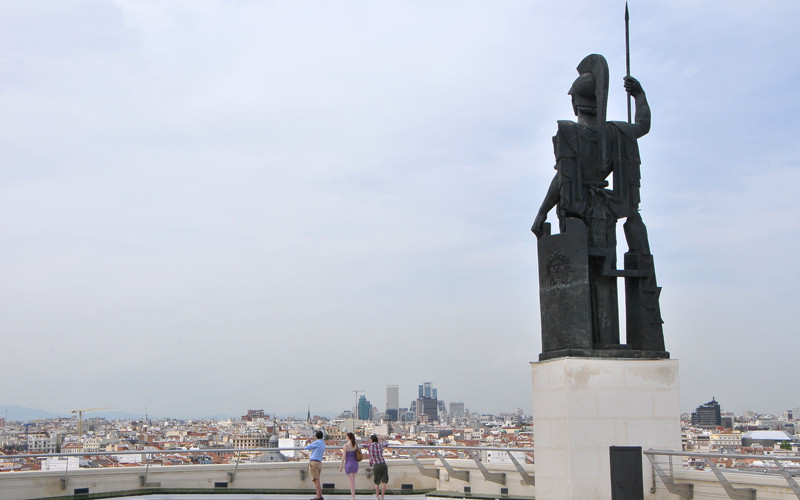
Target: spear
[627,57]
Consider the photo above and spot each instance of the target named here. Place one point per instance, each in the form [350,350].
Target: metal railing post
[494,477]
[143,480]
[789,479]
[434,473]
[733,493]
[462,475]
[64,480]
[232,475]
[526,478]
[682,490]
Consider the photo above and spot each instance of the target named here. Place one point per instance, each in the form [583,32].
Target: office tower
[427,410]
[707,415]
[727,421]
[426,390]
[392,397]
[427,405]
[457,409]
[364,408]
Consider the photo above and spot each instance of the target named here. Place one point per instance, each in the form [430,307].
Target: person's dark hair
[319,434]
[352,438]
[374,438]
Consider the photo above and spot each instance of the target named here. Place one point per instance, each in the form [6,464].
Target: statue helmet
[590,90]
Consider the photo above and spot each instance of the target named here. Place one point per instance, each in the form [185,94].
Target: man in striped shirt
[380,471]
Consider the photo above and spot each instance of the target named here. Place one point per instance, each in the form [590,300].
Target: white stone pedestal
[582,406]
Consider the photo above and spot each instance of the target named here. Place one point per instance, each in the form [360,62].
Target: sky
[207,207]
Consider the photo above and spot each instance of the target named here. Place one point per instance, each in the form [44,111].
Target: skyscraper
[707,415]
[457,409]
[392,397]
[427,410]
[427,405]
[427,391]
[364,408]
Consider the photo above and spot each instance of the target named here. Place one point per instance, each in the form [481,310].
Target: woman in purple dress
[349,462]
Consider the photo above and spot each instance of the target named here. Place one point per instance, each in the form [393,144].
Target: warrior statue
[578,268]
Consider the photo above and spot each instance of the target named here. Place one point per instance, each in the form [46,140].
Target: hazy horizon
[9,412]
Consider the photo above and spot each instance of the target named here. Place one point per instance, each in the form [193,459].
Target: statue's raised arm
[642,116]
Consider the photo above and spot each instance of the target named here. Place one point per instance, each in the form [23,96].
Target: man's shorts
[315,469]
[380,473]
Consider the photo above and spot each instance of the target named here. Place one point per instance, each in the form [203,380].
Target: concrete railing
[448,470]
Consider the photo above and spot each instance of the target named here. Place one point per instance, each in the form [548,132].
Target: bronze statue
[577,269]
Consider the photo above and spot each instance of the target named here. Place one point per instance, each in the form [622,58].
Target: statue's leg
[605,302]
[605,307]
[642,310]
[636,234]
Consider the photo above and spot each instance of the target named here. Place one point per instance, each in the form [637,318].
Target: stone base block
[583,406]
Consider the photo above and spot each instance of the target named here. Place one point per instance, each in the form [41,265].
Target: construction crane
[80,419]
[27,442]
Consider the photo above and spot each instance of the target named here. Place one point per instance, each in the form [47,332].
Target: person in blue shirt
[317,448]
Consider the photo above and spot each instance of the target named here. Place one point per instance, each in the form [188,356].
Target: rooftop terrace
[674,476]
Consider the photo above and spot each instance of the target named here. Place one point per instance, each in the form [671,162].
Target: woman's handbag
[359,455]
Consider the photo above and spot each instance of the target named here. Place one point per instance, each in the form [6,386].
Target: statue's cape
[623,153]
[627,175]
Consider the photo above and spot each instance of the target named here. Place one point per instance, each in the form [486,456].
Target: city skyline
[456,409]
[209,205]
[12,412]
[392,394]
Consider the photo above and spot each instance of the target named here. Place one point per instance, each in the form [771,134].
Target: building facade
[364,408]
[392,397]
[427,410]
[251,440]
[707,415]
[726,442]
[457,409]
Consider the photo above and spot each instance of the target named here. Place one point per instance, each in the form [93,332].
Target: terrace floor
[262,496]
